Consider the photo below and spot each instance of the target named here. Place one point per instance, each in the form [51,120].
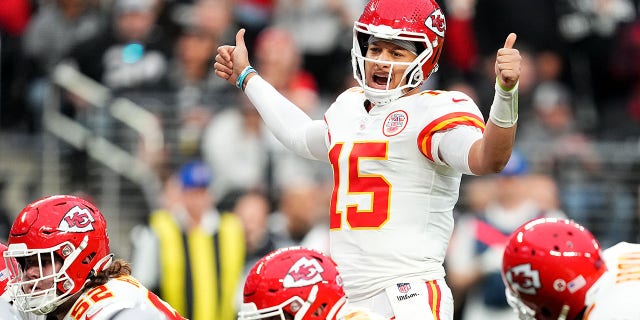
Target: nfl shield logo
[404,287]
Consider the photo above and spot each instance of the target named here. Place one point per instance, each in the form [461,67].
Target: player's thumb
[240,38]
[511,40]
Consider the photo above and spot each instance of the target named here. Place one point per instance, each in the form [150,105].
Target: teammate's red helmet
[297,281]
[418,21]
[549,265]
[4,270]
[62,228]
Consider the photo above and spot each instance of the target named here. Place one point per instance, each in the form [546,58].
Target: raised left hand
[508,64]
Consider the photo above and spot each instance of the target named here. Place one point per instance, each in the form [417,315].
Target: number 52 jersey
[393,198]
[103,302]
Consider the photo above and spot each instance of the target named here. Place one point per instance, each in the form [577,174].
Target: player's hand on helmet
[507,65]
[231,60]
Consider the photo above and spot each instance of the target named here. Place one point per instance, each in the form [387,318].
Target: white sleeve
[288,123]
[145,257]
[454,145]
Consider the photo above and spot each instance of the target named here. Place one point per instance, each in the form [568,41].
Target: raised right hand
[231,60]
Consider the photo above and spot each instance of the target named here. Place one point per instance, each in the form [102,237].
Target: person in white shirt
[556,269]
[397,153]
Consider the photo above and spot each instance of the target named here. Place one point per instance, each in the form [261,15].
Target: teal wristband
[243,75]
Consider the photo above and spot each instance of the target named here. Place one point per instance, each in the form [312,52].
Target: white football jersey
[614,295]
[103,302]
[392,204]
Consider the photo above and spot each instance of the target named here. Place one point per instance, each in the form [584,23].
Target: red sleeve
[462,49]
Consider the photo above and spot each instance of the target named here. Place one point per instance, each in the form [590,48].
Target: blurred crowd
[580,86]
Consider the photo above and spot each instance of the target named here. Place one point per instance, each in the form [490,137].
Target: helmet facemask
[414,74]
[294,305]
[29,294]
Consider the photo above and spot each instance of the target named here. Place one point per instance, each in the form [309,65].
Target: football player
[556,269]
[293,283]
[397,152]
[6,310]
[65,269]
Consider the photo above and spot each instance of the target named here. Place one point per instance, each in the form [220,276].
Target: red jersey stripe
[446,122]
[435,298]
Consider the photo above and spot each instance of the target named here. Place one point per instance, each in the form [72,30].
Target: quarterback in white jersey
[555,269]
[60,266]
[398,153]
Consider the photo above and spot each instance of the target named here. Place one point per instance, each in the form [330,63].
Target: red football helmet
[296,281]
[419,21]
[548,266]
[66,231]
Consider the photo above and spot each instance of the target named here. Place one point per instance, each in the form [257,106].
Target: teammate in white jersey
[61,266]
[556,269]
[398,153]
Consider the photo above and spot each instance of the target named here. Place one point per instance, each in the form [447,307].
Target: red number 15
[376,186]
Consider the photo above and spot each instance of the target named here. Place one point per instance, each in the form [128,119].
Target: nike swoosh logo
[89,317]
[458,100]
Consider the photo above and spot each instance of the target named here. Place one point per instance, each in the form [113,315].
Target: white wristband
[504,109]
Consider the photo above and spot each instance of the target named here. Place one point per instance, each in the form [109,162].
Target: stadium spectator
[61,265]
[197,94]
[15,16]
[321,32]
[397,163]
[556,269]
[246,162]
[478,241]
[625,71]
[301,218]
[131,54]
[588,30]
[191,254]
[254,208]
[55,29]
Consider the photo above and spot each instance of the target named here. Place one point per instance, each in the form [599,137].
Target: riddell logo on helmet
[77,220]
[436,22]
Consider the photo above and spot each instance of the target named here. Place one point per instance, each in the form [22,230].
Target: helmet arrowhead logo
[436,22]
[77,220]
[523,279]
[303,273]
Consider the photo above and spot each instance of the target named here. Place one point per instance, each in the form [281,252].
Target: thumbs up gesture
[231,60]
[508,64]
